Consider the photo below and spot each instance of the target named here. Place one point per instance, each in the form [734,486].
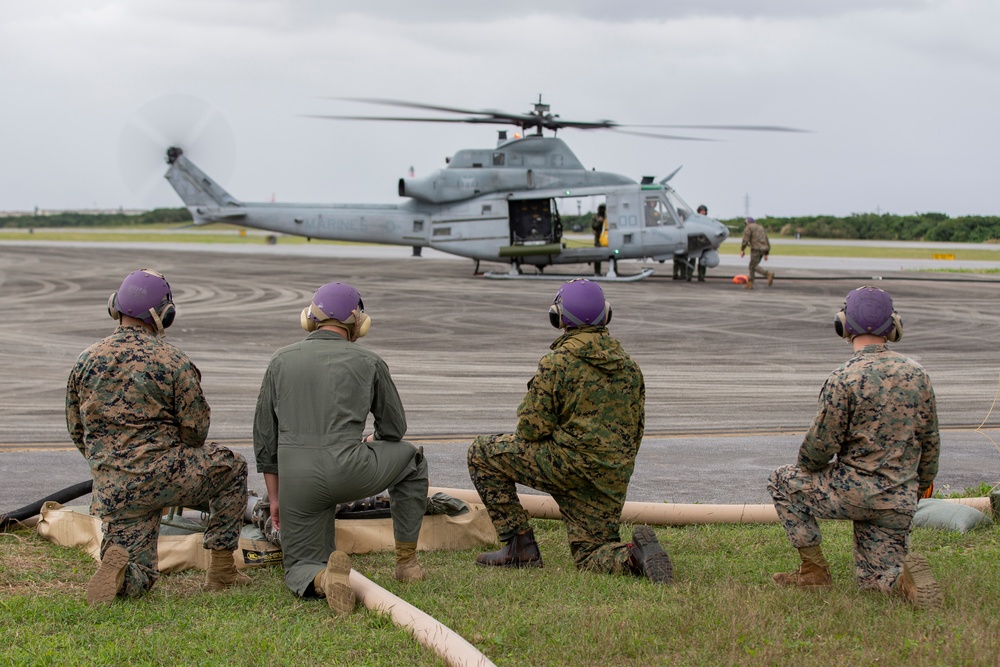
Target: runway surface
[731,375]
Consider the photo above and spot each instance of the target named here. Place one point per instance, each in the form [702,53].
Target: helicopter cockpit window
[498,159]
[683,210]
[657,214]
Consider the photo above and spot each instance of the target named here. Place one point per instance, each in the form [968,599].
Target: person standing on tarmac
[597,224]
[702,269]
[135,410]
[308,435]
[755,237]
[870,455]
[579,428]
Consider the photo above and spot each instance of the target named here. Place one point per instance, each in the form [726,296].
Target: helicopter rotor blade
[741,128]
[653,135]
[410,105]
[404,119]
[540,119]
[495,116]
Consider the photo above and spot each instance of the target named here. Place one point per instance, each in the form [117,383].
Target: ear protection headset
[357,325]
[847,327]
[161,315]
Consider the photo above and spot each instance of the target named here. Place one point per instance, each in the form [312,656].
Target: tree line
[885,227]
[866,226]
[71,219]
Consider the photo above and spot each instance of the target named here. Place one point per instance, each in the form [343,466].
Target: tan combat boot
[917,585]
[109,578]
[748,285]
[222,572]
[770,278]
[334,584]
[814,572]
[407,567]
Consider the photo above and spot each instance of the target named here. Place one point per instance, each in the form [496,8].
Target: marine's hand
[741,253]
[274,515]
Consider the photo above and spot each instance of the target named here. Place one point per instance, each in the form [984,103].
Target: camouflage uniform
[578,431]
[311,412]
[135,410]
[877,415]
[755,237]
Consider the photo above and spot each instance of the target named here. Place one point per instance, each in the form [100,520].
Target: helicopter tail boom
[195,188]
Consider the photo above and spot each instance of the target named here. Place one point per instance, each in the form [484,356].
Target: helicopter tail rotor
[183,124]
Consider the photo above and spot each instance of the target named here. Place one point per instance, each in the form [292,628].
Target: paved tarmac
[731,375]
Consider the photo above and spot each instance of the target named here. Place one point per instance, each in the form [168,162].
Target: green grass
[721,610]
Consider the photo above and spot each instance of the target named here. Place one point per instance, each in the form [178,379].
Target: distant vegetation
[69,219]
[885,227]
[869,226]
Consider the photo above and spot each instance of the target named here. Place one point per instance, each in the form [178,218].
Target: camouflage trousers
[497,463]
[881,536]
[131,506]
[755,258]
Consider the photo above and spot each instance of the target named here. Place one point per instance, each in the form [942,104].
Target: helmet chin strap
[356,326]
[160,331]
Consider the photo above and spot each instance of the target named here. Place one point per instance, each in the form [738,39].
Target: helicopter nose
[723,232]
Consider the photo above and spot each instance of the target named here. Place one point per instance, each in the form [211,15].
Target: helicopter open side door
[535,228]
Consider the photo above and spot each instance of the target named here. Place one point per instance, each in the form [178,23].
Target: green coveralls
[311,413]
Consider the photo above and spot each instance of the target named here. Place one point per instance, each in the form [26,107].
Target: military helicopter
[497,204]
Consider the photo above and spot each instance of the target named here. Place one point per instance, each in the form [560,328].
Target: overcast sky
[900,96]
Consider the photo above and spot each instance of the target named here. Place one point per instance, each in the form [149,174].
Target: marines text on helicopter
[496,204]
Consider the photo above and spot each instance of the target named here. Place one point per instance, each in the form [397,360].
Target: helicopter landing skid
[601,278]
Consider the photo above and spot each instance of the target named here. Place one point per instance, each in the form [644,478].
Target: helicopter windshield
[678,204]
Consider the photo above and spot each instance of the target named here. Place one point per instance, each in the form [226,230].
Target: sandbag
[943,515]
[76,527]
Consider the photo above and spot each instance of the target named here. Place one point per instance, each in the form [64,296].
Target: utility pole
[746,205]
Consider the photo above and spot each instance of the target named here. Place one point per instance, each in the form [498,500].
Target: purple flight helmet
[145,295]
[868,310]
[339,302]
[579,303]
[335,301]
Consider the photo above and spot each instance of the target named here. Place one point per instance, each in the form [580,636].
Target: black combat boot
[647,558]
[519,551]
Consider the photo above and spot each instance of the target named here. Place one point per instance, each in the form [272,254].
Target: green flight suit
[314,400]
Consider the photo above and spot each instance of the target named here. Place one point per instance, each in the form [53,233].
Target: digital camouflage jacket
[588,397]
[877,426]
[131,398]
[755,237]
